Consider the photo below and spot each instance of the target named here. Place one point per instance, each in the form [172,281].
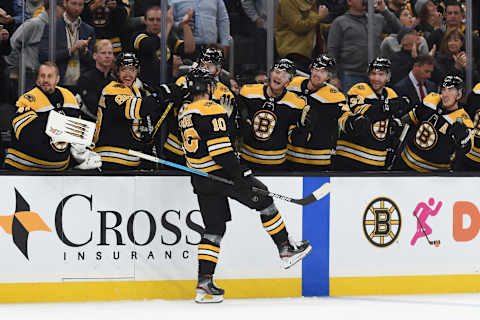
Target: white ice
[405,307]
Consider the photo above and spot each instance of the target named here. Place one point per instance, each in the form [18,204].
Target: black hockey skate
[207,291]
[291,252]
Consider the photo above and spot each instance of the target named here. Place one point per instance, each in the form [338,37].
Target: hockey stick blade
[316,195]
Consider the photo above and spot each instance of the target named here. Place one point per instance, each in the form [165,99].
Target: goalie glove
[460,136]
[86,158]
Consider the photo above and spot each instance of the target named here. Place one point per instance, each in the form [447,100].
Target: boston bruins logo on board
[426,136]
[382,222]
[264,122]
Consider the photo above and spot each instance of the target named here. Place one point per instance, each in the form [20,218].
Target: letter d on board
[460,209]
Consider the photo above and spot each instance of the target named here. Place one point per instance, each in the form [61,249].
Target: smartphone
[1,26]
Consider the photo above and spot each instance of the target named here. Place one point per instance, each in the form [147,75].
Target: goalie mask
[199,80]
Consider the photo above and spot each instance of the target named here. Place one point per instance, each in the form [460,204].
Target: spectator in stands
[453,20]
[210,20]
[402,61]
[452,58]
[91,83]
[298,30]
[397,6]
[10,14]
[147,44]
[108,18]
[26,41]
[32,8]
[256,10]
[417,85]
[5,49]
[348,40]
[335,8]
[74,44]
[32,149]
[428,17]
[391,44]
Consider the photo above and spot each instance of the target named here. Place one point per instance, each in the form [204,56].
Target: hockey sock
[208,252]
[273,223]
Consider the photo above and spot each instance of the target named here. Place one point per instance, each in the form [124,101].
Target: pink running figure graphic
[426,211]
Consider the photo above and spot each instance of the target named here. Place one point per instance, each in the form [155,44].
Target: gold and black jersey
[173,145]
[428,146]
[204,129]
[369,148]
[32,149]
[327,105]
[473,108]
[120,113]
[273,121]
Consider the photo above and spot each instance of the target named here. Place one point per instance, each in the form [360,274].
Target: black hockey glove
[241,181]
[395,128]
[170,93]
[460,135]
[398,106]
[305,121]
[357,124]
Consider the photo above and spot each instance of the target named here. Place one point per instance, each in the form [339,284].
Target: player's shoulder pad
[391,94]
[115,88]
[181,81]
[476,89]
[204,108]
[252,91]
[432,100]
[69,100]
[296,84]
[329,94]
[462,114]
[362,89]
[292,100]
[221,90]
[28,98]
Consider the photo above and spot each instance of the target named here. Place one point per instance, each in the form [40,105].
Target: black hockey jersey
[473,109]
[273,124]
[428,146]
[32,149]
[327,105]
[173,145]
[205,139]
[121,111]
[369,148]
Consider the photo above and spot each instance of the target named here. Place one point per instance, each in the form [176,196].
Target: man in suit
[74,44]
[417,85]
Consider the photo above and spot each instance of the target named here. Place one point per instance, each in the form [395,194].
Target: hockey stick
[316,195]
[159,122]
[436,243]
[399,148]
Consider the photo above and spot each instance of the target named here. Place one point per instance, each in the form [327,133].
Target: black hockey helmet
[198,80]
[212,55]
[324,62]
[285,65]
[382,64]
[452,81]
[127,59]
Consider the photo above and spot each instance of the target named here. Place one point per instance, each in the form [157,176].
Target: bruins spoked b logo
[264,122]
[382,222]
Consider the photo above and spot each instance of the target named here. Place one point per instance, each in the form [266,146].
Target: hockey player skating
[271,117]
[442,130]
[327,104]
[364,138]
[204,128]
